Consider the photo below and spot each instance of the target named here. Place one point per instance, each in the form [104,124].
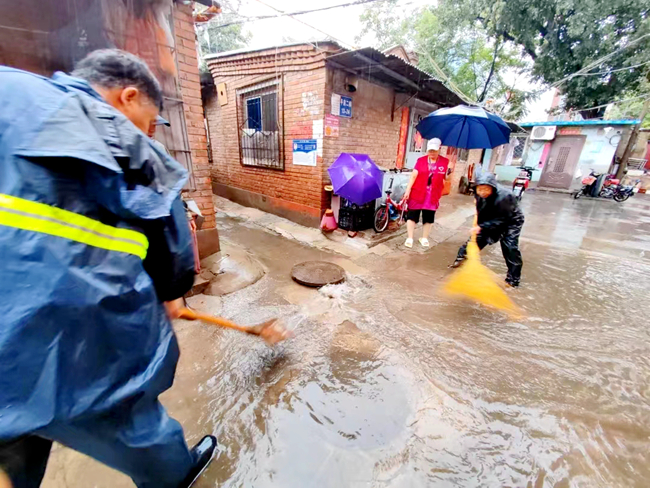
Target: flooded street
[390,384]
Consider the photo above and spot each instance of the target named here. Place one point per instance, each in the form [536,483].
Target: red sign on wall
[403,135]
[569,131]
[331,125]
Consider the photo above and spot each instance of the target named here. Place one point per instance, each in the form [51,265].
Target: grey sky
[341,23]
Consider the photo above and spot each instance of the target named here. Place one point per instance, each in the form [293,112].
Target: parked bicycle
[390,210]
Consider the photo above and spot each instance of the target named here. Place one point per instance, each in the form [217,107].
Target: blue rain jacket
[93,237]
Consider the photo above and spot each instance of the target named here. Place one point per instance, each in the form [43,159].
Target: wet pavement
[390,384]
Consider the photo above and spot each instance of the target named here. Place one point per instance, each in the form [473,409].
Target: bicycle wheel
[380,222]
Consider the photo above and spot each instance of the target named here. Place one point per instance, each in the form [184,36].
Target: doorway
[416,145]
[562,162]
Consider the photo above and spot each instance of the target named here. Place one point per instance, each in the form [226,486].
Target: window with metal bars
[260,134]
[519,144]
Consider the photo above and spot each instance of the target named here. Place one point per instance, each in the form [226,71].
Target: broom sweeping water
[476,282]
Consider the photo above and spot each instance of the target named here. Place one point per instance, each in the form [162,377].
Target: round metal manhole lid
[318,273]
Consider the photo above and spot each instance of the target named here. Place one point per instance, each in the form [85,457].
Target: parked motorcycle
[520,185]
[611,188]
[588,183]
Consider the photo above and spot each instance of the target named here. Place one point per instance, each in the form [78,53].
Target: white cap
[434,144]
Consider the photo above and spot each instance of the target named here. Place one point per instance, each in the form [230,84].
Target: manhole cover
[318,273]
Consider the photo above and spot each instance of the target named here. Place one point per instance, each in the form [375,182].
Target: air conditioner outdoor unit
[543,133]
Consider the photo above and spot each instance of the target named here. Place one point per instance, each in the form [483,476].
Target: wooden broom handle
[186,313]
[473,236]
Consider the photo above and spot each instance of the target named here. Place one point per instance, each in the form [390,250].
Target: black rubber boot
[203,453]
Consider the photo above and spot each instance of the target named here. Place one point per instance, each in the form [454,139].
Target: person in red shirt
[424,191]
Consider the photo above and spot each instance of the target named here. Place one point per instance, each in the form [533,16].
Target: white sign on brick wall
[304,152]
[317,133]
[310,103]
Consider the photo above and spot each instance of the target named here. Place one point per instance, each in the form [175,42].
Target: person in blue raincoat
[93,240]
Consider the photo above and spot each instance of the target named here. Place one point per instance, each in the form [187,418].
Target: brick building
[263,105]
[44,36]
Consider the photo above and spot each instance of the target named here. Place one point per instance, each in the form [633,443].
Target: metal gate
[562,161]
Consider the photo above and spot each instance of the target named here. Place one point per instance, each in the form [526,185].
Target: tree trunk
[622,167]
[489,77]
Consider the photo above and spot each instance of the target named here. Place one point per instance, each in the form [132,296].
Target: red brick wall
[25,50]
[370,130]
[303,79]
[188,72]
[307,89]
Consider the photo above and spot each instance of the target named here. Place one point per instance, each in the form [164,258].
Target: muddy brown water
[389,384]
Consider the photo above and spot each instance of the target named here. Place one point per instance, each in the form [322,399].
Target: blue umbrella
[465,127]
[356,177]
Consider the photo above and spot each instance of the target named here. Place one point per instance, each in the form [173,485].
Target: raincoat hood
[498,211]
[487,179]
[100,134]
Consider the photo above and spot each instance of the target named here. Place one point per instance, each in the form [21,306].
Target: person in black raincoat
[93,240]
[499,218]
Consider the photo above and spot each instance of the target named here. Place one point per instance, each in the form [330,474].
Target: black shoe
[202,453]
[456,264]
[512,284]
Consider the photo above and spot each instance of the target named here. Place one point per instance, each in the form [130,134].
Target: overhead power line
[613,102]
[343,43]
[446,79]
[291,14]
[599,61]
[606,72]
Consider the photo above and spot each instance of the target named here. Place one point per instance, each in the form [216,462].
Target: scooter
[611,188]
[588,183]
[520,185]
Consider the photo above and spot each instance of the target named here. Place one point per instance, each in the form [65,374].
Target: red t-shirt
[428,186]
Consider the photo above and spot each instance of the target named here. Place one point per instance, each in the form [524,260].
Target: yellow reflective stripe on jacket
[38,217]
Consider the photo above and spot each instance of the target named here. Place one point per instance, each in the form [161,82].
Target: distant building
[561,151]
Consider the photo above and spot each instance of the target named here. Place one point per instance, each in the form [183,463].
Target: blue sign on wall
[346,107]
[304,152]
[341,106]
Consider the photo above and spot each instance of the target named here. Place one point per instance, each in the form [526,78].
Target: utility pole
[632,142]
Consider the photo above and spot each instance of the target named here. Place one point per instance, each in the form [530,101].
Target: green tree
[565,36]
[386,22]
[632,107]
[219,35]
[217,39]
[453,45]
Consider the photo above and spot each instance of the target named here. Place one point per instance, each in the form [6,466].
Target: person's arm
[414,175]
[170,258]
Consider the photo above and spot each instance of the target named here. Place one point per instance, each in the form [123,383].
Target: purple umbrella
[356,177]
